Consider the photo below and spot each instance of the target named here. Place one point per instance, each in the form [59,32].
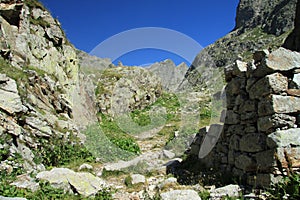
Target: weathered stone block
[279,60]
[235,85]
[249,117]
[271,84]
[234,143]
[235,129]
[245,163]
[253,142]
[269,124]
[290,153]
[265,160]
[248,106]
[278,104]
[232,117]
[239,68]
[284,138]
[293,92]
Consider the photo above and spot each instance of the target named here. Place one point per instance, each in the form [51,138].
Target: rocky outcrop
[275,17]
[171,76]
[260,140]
[31,37]
[39,83]
[124,89]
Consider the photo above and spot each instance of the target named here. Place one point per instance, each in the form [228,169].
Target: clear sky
[88,23]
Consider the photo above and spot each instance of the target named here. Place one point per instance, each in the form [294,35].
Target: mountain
[171,76]
[259,25]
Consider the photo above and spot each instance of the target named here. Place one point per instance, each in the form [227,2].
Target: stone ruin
[260,140]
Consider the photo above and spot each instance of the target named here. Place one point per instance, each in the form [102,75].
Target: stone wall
[261,131]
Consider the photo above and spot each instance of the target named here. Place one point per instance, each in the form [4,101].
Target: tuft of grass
[40,22]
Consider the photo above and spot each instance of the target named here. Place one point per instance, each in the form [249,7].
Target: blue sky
[88,23]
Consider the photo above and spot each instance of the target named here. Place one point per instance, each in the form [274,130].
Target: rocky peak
[276,17]
[171,76]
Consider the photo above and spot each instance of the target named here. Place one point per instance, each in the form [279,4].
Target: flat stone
[279,104]
[271,123]
[39,125]
[284,138]
[10,102]
[226,191]
[294,92]
[85,184]
[137,178]
[272,84]
[180,195]
[279,60]
[253,142]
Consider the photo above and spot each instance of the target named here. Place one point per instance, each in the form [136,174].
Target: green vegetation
[34,4]
[56,151]
[40,21]
[117,136]
[45,192]
[289,187]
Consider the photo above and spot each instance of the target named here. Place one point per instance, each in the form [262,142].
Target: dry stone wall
[261,133]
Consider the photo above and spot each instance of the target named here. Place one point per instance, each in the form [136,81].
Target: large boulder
[84,183]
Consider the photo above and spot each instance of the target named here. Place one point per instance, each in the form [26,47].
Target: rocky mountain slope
[171,76]
[259,25]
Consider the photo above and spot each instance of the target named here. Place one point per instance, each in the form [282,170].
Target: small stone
[137,178]
[180,195]
[226,191]
[85,167]
[167,154]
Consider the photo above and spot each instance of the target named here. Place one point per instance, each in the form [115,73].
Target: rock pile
[261,135]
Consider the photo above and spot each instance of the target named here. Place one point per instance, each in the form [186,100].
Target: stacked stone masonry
[261,133]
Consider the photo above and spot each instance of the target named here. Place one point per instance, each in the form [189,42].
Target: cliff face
[276,17]
[259,25]
[39,84]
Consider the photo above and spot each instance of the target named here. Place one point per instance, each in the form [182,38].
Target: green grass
[34,4]
[40,22]
[56,151]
